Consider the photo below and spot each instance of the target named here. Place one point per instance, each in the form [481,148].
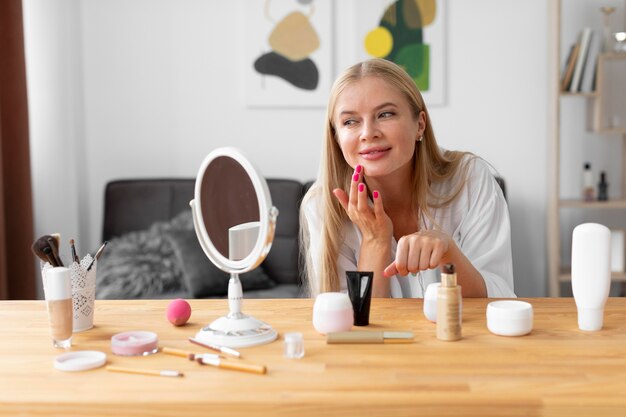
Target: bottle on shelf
[603,188]
[588,187]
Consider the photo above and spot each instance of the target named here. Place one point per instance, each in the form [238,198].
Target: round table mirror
[235,221]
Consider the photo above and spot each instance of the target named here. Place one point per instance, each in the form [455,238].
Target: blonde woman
[389,200]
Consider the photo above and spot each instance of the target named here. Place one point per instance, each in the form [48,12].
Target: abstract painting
[288,52]
[410,33]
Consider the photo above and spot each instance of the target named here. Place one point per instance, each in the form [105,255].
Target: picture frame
[288,53]
[358,21]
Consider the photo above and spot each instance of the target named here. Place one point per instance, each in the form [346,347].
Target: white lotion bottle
[591,273]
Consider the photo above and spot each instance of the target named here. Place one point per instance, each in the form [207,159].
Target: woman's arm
[481,248]
[376,230]
[375,256]
[469,278]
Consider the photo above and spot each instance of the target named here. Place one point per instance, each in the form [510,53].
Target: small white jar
[332,312]
[430,301]
[294,345]
[510,317]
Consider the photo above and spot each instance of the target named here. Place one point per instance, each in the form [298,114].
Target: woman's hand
[373,222]
[428,249]
[419,251]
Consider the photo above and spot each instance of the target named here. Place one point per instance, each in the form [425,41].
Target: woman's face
[375,127]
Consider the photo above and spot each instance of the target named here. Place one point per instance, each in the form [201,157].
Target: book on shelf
[585,36]
[587,84]
[568,71]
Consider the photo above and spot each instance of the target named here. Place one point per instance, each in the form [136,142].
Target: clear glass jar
[294,345]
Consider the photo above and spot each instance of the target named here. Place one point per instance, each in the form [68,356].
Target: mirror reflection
[227,199]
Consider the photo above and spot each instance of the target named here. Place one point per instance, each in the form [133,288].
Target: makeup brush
[57,238]
[155,372]
[98,254]
[53,241]
[48,254]
[74,253]
[235,366]
[41,248]
[38,252]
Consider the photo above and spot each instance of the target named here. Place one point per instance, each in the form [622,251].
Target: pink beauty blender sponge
[178,312]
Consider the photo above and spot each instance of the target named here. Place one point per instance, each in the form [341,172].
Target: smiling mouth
[374,151]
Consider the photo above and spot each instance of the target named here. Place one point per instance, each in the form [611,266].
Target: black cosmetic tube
[360,291]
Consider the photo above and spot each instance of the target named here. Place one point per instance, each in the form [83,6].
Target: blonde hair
[431,165]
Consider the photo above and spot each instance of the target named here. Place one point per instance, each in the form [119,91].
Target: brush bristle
[57,238]
[51,254]
[37,250]
[41,243]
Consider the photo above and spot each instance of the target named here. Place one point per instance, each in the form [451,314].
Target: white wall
[53,60]
[145,88]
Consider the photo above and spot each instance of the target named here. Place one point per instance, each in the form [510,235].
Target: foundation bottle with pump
[588,188]
[449,306]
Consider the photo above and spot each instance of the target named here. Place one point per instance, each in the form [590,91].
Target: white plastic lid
[81,360]
[590,319]
[510,309]
[332,301]
[58,285]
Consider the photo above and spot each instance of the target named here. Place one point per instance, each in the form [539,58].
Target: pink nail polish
[355,177]
[375,194]
[358,169]
[361,187]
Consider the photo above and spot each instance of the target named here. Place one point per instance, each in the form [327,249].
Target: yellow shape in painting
[378,42]
[294,37]
[428,10]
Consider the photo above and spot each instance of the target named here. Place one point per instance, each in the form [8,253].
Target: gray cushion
[141,264]
[202,278]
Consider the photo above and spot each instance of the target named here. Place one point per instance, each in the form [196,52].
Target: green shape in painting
[415,59]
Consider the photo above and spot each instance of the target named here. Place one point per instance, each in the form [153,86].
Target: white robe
[477,220]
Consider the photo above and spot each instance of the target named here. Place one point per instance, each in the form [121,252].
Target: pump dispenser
[449,305]
[588,188]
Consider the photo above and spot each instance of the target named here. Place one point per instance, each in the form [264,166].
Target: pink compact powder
[134,343]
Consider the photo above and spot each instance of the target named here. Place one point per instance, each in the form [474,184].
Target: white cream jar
[430,301]
[510,317]
[332,312]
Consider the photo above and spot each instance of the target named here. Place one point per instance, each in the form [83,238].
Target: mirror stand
[236,329]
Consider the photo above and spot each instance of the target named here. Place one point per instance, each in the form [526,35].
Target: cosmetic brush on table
[141,371]
[223,349]
[192,356]
[215,360]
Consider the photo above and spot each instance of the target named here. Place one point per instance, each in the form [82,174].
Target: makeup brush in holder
[83,278]
[46,248]
[82,273]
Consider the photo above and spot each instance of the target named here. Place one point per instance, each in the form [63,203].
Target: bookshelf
[605,118]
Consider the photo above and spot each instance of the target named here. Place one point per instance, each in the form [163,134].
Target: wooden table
[556,370]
